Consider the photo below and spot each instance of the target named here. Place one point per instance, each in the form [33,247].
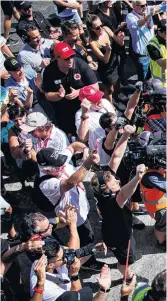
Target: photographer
[153,190]
[112,203]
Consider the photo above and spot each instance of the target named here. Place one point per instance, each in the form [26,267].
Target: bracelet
[37,290]
[74,277]
[84,117]
[104,291]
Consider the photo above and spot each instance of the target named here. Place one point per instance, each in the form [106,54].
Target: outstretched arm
[133,101]
[128,190]
[120,148]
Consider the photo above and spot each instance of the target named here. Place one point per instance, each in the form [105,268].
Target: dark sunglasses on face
[98,27]
[44,231]
[143,5]
[69,58]
[27,8]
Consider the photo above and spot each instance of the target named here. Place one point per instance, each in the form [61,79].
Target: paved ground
[150,259]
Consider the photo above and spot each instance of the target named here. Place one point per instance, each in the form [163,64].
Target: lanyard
[45,142]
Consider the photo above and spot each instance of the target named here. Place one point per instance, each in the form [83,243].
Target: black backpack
[39,198]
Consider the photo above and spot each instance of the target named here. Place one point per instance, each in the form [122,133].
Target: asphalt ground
[150,260]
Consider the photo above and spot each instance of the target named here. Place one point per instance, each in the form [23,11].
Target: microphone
[156,150]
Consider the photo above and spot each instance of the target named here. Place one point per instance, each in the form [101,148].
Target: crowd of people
[68,108]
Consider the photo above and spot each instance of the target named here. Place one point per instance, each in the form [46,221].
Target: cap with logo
[25,4]
[11,64]
[162,25]
[63,50]
[49,157]
[33,121]
[91,94]
[85,294]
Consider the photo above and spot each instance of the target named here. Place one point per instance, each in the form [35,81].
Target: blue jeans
[142,64]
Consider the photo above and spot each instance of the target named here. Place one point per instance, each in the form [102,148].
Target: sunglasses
[143,5]
[69,58]
[98,27]
[44,231]
[27,8]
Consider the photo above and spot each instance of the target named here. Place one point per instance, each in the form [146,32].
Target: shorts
[121,252]
[7,7]
[160,217]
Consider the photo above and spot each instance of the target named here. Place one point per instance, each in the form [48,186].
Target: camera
[70,254]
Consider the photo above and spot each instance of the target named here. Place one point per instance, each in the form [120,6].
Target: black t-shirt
[116,222]
[79,75]
[154,53]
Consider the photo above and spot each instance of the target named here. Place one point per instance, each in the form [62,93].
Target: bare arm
[66,4]
[132,103]
[117,39]
[39,269]
[110,139]
[154,10]
[83,130]
[120,148]
[29,99]
[80,174]
[5,49]
[103,57]
[53,96]
[162,63]
[71,219]
[128,190]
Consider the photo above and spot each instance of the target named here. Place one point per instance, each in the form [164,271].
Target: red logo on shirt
[77,76]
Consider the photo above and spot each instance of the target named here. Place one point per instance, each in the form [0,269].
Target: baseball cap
[162,25]
[91,94]
[33,121]
[63,50]
[11,64]
[85,294]
[25,4]
[47,157]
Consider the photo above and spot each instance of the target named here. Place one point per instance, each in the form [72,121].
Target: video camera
[153,156]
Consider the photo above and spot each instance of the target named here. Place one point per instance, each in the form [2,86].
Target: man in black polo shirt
[112,203]
[62,81]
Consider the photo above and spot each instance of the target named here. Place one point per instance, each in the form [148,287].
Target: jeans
[142,64]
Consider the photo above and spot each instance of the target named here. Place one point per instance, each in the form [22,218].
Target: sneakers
[162,246]
[137,224]
[140,211]
[96,267]
[11,42]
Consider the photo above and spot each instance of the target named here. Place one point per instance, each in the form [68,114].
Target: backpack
[39,198]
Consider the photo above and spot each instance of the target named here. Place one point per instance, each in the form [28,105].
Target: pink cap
[91,94]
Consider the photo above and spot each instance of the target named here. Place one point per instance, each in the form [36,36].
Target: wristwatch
[104,291]
[74,278]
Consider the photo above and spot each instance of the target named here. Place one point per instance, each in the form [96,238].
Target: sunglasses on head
[98,27]
[27,8]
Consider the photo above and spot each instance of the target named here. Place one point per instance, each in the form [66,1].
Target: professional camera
[70,254]
[153,156]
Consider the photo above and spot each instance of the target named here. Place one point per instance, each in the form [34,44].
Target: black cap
[11,64]
[25,4]
[85,294]
[47,157]
[162,25]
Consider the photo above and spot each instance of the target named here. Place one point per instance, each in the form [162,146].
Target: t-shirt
[57,140]
[116,221]
[109,21]
[2,58]
[76,196]
[29,57]
[95,130]
[79,75]
[53,288]
[141,35]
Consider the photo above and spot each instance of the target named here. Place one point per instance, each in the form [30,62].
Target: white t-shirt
[53,287]
[95,131]
[76,196]
[58,140]
[2,58]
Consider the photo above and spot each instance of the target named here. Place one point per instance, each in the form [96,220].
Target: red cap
[63,50]
[91,94]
